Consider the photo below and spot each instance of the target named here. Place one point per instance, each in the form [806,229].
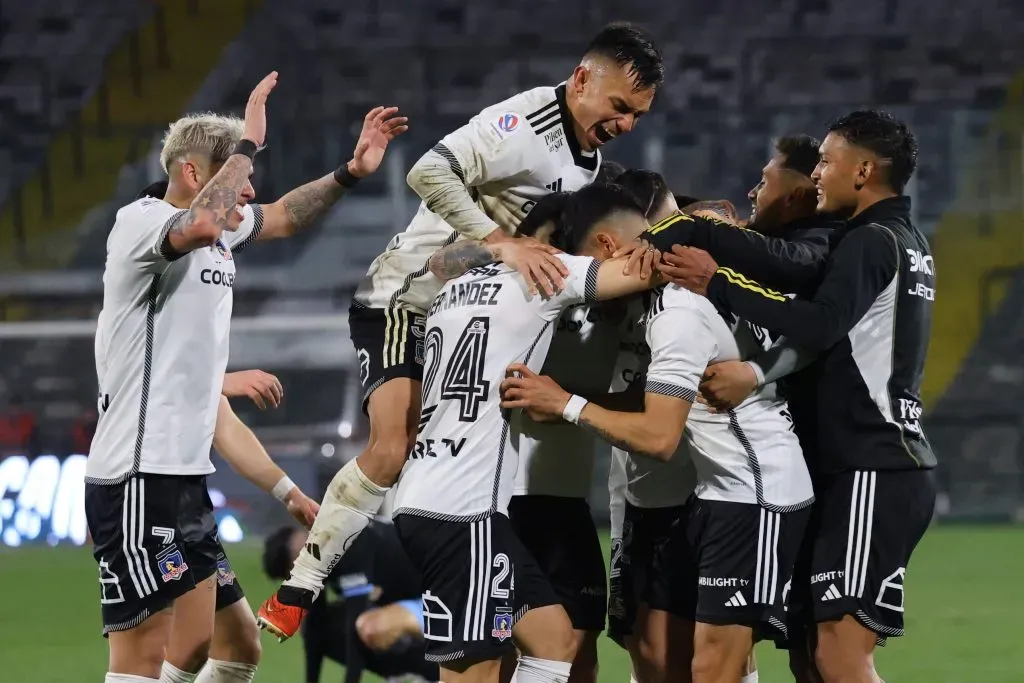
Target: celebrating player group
[758,381]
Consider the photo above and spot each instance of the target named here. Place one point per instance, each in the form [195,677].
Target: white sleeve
[140,231]
[580,286]
[617,491]
[248,231]
[493,145]
[682,344]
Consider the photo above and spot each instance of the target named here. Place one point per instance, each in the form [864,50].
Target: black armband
[247,148]
[345,178]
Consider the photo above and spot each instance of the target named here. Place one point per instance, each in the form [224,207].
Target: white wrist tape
[282,488]
[571,411]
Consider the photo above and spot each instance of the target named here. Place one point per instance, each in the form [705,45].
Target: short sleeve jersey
[509,156]
[466,456]
[161,345]
[748,455]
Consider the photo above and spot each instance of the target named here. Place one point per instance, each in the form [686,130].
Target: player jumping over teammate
[477,183]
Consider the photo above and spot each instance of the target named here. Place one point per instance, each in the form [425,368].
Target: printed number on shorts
[504,567]
[463,379]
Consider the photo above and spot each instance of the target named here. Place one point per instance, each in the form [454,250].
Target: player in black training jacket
[869,319]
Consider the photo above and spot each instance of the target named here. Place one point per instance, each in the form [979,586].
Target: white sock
[218,671]
[172,674]
[632,678]
[128,678]
[351,501]
[750,677]
[535,670]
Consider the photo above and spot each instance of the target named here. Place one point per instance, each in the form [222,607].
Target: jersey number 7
[463,379]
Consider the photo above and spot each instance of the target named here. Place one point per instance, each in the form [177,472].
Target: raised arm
[245,454]
[308,203]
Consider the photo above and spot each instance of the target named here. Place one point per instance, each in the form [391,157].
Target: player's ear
[580,76]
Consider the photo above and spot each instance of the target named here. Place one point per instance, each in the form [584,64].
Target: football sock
[172,674]
[128,678]
[632,678]
[749,678]
[535,670]
[217,671]
[351,502]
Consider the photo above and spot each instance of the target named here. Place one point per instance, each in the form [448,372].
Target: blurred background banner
[86,89]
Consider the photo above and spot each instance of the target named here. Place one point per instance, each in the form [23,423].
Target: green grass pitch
[965,621]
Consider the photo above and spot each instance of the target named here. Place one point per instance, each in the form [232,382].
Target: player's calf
[845,652]
[720,653]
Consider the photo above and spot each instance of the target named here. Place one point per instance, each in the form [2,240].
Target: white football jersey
[641,480]
[161,345]
[557,459]
[748,455]
[509,155]
[466,456]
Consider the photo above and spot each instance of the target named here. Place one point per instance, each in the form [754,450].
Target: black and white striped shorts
[478,580]
[154,537]
[735,564]
[388,343]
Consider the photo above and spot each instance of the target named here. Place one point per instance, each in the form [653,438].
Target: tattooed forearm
[722,207]
[218,199]
[615,441]
[452,261]
[308,203]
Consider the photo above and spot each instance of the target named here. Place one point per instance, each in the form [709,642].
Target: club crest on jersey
[502,627]
[508,122]
[172,564]
[223,250]
[225,575]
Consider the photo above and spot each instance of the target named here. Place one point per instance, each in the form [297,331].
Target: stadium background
[86,87]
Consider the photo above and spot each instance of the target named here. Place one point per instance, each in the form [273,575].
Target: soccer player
[161,351]
[482,588]
[869,320]
[742,527]
[477,183]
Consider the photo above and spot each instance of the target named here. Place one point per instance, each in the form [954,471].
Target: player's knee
[246,648]
[585,665]
[716,649]
[368,627]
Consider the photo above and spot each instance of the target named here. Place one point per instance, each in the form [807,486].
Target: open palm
[380,126]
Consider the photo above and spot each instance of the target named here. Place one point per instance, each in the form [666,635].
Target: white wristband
[571,411]
[282,488]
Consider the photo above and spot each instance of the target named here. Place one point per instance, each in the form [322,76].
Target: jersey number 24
[463,379]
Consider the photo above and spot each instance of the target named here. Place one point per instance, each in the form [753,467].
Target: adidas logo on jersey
[736,600]
[555,186]
[831,594]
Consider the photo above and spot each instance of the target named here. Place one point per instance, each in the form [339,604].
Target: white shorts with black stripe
[154,538]
[388,343]
[478,580]
[735,564]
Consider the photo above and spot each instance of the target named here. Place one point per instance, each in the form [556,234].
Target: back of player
[748,513]
[451,504]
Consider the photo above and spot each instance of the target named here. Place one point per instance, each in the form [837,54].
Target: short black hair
[799,153]
[609,171]
[649,188]
[585,208]
[886,136]
[630,46]
[684,200]
[277,558]
[548,208]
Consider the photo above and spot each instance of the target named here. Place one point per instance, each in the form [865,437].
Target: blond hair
[209,134]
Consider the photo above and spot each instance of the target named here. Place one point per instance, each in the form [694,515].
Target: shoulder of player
[529,111]
[141,215]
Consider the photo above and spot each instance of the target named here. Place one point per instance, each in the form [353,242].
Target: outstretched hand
[380,126]
[255,126]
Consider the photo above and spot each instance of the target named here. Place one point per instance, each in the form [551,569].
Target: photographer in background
[377,624]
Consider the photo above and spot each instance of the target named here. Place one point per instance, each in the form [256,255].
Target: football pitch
[965,622]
